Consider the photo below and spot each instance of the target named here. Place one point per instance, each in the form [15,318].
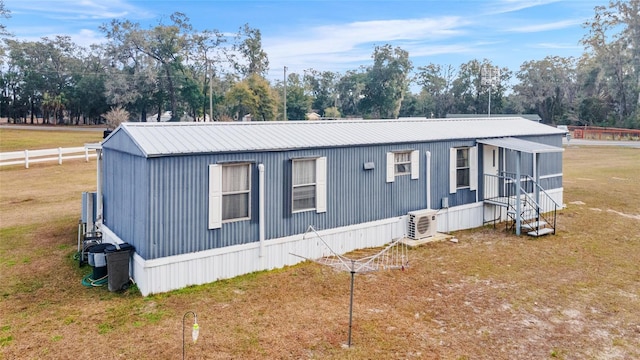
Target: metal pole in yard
[211,96]
[285,93]
[353,275]
[489,110]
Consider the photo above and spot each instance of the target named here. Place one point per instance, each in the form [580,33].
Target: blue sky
[340,35]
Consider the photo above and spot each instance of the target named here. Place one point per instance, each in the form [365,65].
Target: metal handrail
[542,189]
[510,191]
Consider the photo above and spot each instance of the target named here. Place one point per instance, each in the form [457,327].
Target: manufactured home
[207,201]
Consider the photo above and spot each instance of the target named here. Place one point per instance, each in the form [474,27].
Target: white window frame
[472,166]
[402,163]
[393,163]
[216,195]
[319,183]
[237,192]
[464,167]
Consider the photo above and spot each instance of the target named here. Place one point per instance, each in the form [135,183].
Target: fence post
[59,156]
[26,159]
[86,154]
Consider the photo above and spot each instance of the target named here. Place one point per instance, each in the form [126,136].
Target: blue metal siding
[355,195]
[160,204]
[125,197]
[122,142]
[550,163]
[179,207]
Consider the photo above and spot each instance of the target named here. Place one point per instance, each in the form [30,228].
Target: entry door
[490,167]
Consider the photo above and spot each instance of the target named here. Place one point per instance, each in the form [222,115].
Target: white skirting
[175,272]
[460,217]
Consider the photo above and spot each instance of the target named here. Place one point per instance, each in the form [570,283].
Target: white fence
[32,156]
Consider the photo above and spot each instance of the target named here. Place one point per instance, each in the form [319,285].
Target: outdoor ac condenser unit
[422,224]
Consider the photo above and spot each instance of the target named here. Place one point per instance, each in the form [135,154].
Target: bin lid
[119,247]
[98,248]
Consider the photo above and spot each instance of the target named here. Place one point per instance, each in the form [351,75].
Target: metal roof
[521,145]
[532,117]
[160,139]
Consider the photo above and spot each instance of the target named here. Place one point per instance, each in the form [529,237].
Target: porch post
[518,192]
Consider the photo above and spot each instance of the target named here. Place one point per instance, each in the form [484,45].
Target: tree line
[205,74]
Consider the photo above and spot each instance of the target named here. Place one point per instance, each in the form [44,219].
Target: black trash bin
[118,265]
[97,259]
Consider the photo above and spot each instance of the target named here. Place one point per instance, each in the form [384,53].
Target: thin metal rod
[183,319]
[489,110]
[285,93]
[211,96]
[353,275]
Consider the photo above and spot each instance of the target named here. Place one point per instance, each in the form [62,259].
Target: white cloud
[81,37]
[390,30]
[557,25]
[346,44]
[557,46]
[343,47]
[508,6]
[86,37]
[77,10]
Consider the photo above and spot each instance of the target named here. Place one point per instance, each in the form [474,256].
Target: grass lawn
[28,139]
[575,295]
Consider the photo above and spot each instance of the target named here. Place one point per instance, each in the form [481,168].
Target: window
[229,193]
[304,185]
[236,185]
[463,169]
[308,185]
[402,163]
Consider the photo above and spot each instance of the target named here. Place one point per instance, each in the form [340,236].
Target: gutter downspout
[261,197]
[428,179]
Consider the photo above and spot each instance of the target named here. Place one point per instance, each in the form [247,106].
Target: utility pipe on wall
[428,166]
[261,197]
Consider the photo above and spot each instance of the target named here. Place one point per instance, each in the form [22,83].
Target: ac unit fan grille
[424,223]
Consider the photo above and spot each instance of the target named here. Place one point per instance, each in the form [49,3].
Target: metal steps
[537,228]
[540,232]
[536,214]
[534,225]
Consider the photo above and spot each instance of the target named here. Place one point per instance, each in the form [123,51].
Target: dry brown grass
[575,295]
